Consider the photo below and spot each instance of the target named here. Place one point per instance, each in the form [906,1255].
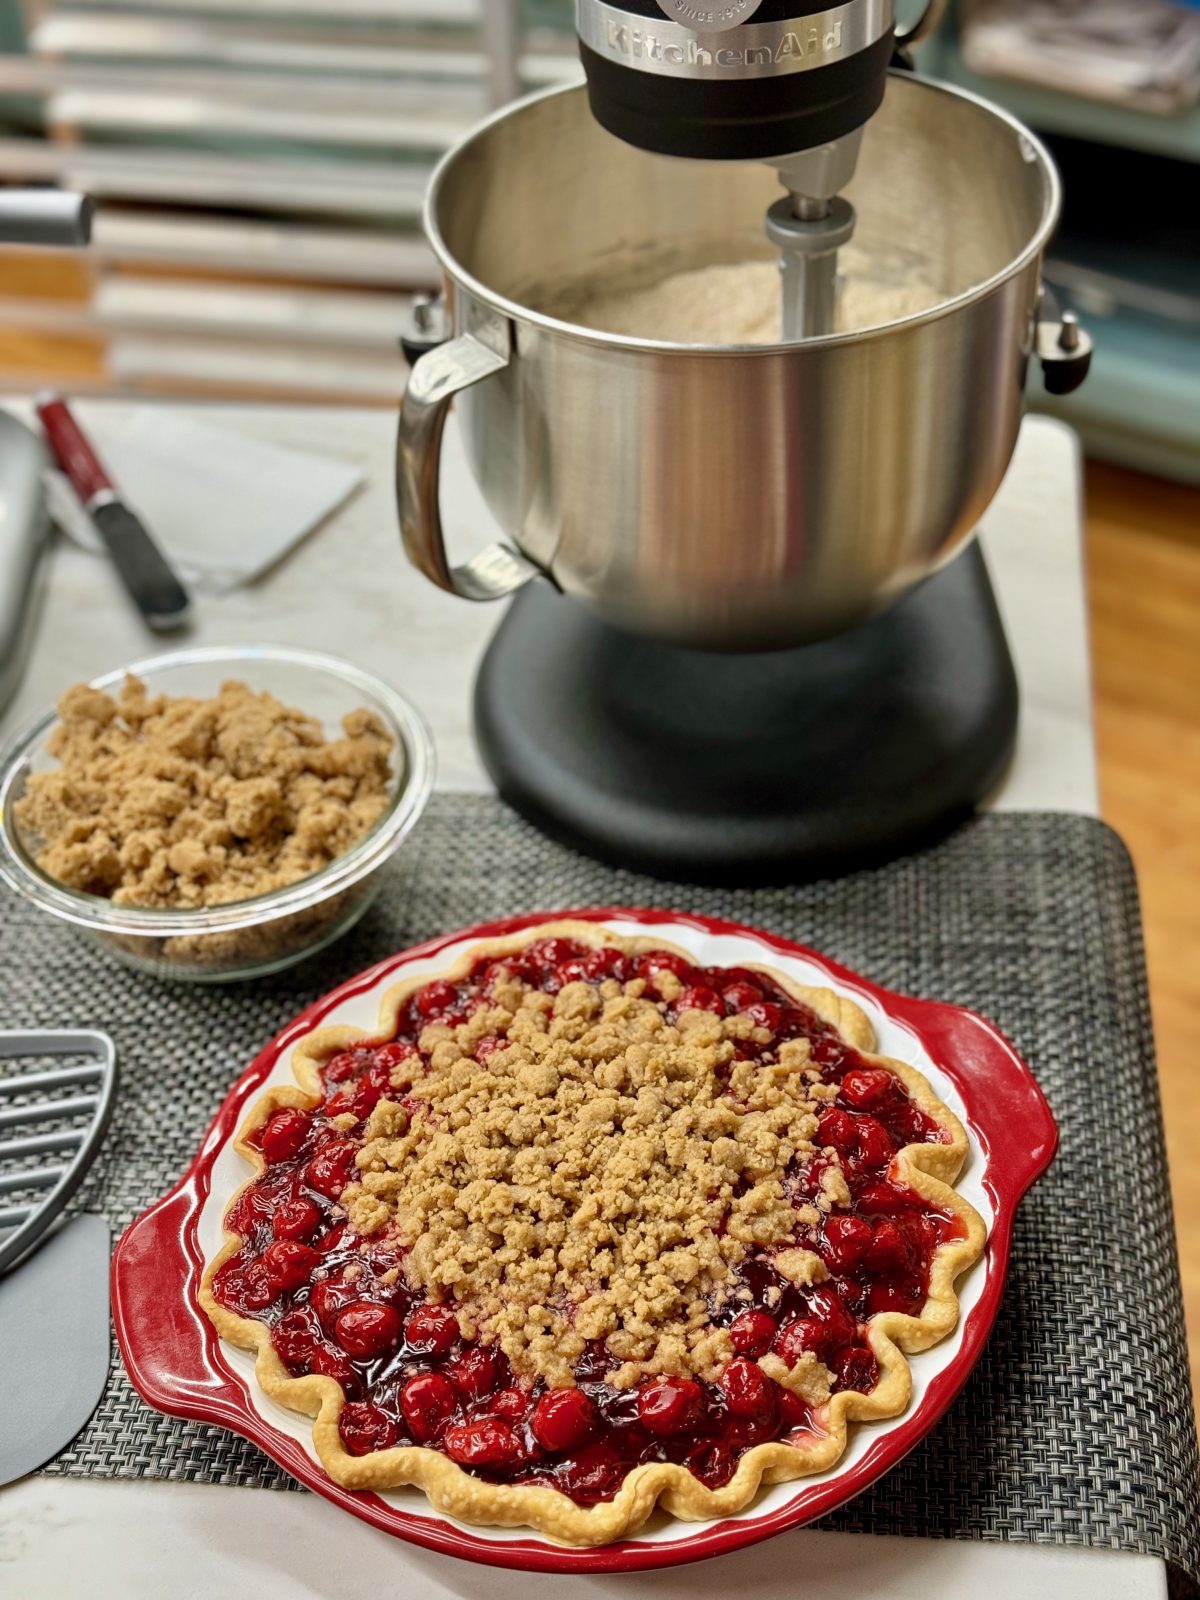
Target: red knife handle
[74,454]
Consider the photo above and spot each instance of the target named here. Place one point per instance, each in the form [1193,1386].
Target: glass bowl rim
[23,875]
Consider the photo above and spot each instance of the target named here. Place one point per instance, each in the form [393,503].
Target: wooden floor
[1144,555]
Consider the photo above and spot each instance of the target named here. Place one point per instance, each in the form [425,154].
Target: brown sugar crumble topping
[175,803]
[608,1167]
[587,1209]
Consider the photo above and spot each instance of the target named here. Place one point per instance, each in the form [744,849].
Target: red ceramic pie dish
[178,1364]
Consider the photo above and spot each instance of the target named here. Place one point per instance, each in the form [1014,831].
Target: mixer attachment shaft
[809,233]
[809,226]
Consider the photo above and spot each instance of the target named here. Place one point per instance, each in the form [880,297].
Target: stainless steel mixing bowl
[745,498]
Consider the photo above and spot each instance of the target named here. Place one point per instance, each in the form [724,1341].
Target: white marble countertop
[348,591]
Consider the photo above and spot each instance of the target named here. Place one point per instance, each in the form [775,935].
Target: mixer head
[789,82]
[735,80]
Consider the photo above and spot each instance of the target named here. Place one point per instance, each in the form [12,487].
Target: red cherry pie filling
[780,1286]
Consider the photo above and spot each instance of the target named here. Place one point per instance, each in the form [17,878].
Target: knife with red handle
[152,583]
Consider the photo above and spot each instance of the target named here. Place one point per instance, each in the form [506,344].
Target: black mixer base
[742,769]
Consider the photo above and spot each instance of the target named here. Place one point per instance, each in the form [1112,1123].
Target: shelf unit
[1176,136]
[1141,405]
[259,168]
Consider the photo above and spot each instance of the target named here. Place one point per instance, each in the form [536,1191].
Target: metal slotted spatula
[56,1099]
[52,1120]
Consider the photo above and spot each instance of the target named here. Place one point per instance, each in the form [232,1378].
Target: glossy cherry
[252,1208]
[848,1240]
[435,999]
[330,1242]
[752,1332]
[655,961]
[255,1288]
[875,1145]
[289,1264]
[283,1135]
[331,1169]
[748,1391]
[332,1364]
[329,1298]
[865,1088]
[372,1087]
[296,1219]
[857,1369]
[346,1064]
[765,1014]
[296,1337]
[486,1443]
[700,998]
[365,1429]
[889,1251]
[594,1474]
[741,996]
[880,1198]
[669,1405]
[563,1420]
[600,965]
[793,1411]
[432,1330]
[829,1051]
[800,1336]
[428,1401]
[838,1130]
[545,955]
[367,1331]
[476,1372]
[395,1054]
[511,1404]
[595,967]
[908,1124]
[826,1305]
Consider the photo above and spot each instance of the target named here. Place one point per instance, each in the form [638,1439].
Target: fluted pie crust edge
[930,1170]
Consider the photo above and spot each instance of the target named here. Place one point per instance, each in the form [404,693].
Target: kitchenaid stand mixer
[753,658]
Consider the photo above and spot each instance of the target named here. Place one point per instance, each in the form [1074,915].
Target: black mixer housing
[747,118]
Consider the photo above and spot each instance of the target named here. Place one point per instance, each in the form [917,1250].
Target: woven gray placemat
[1077,1427]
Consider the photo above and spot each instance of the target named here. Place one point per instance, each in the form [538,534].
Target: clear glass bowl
[248,938]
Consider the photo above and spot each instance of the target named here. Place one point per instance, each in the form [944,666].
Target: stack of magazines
[1139,53]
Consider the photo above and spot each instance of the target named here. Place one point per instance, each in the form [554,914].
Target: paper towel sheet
[224,507]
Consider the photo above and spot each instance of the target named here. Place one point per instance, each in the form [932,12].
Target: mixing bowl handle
[929,20]
[432,385]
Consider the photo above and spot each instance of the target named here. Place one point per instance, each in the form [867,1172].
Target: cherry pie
[588,1230]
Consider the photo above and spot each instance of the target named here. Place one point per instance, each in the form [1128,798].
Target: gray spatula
[54,1335]
[56,1098]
